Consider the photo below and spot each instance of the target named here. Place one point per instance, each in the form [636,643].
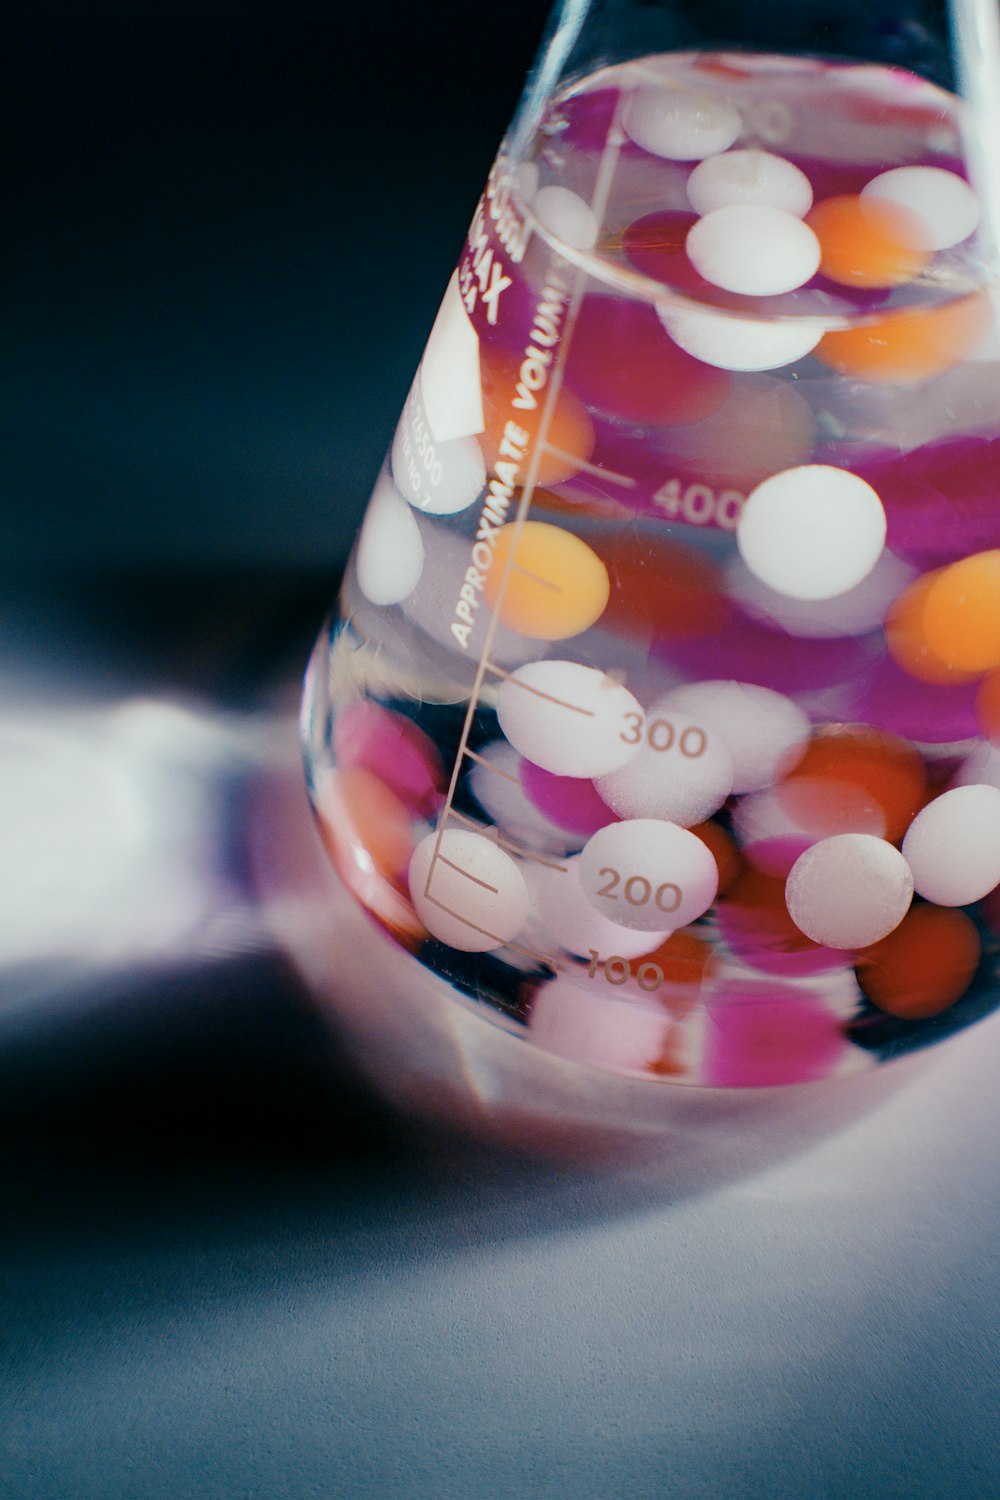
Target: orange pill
[909,346]
[853,778]
[686,963]
[723,851]
[868,242]
[906,636]
[555,586]
[962,613]
[988,707]
[369,822]
[924,965]
[569,437]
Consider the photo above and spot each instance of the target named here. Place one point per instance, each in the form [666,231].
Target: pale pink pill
[592,1025]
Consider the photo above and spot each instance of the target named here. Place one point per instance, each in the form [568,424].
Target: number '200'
[638,891]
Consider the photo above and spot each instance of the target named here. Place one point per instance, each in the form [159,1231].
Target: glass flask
[657,729]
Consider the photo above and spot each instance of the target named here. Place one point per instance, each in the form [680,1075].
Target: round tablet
[572,802]
[570,719]
[852,613]
[678,125]
[924,966]
[440,478]
[761,729]
[755,177]
[757,251]
[565,214]
[393,748]
[961,615]
[867,242]
[947,208]
[953,846]
[682,772]
[812,532]
[571,921]
[731,343]
[390,556]
[589,1022]
[554,585]
[849,890]
[910,344]
[647,874]
[467,892]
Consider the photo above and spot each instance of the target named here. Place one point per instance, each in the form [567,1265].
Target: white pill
[495,782]
[947,207]
[646,873]
[565,215]
[467,891]
[682,773]
[570,719]
[570,920]
[731,343]
[678,125]
[439,478]
[762,730]
[390,555]
[812,532]
[953,846]
[853,613]
[757,251]
[849,890]
[756,177]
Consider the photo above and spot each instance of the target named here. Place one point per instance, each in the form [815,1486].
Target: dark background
[231,224]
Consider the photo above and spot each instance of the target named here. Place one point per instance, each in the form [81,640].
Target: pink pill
[766,658]
[764,1035]
[571,802]
[392,747]
[888,698]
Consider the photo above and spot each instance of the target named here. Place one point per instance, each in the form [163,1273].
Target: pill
[390,555]
[570,719]
[682,772]
[961,616]
[762,730]
[467,892]
[944,203]
[495,782]
[393,748]
[440,478]
[590,1022]
[510,432]
[855,612]
[729,342]
[849,890]
[764,1036]
[571,921]
[680,125]
[756,251]
[852,778]
[572,802]
[755,924]
[867,242]
[953,846]
[812,532]
[755,177]
[554,586]
[648,874]
[908,345]
[566,216]
[924,965]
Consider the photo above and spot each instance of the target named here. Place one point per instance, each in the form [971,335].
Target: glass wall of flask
[660,713]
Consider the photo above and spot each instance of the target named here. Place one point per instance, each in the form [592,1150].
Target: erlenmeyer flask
[656,725]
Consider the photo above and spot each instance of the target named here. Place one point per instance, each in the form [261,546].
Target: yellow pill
[556,585]
[962,614]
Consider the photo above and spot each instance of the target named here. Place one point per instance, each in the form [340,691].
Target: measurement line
[504,842]
[474,878]
[559,702]
[546,583]
[503,942]
[625,480]
[482,761]
[613,143]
